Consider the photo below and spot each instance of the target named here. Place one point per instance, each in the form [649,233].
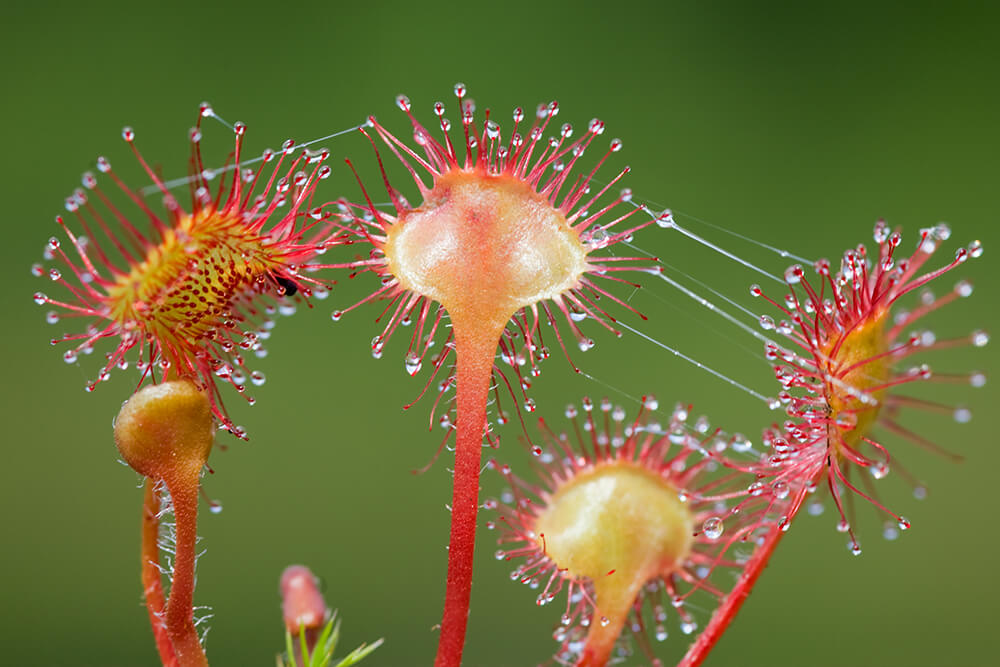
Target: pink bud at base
[302,604]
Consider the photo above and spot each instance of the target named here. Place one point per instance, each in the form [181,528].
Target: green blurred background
[794,125]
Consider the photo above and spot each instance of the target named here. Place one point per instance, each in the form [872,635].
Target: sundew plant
[512,238]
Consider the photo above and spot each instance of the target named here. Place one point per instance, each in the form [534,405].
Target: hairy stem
[180,614]
[152,583]
[475,347]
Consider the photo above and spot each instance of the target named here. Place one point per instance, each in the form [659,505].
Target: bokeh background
[793,124]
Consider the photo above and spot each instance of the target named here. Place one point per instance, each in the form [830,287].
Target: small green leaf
[326,644]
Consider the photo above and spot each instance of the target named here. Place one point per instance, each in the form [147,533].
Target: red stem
[180,615]
[152,584]
[474,368]
[724,615]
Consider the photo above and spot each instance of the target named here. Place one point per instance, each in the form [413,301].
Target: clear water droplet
[412,363]
[740,443]
[879,470]
[713,527]
[890,531]
[962,415]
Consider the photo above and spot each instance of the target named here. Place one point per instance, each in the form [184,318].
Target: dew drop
[713,527]
[257,378]
[740,443]
[687,627]
[879,470]
[881,232]
[846,420]
[963,288]
[781,490]
[411,363]
[215,507]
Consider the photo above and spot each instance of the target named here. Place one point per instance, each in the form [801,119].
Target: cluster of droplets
[834,394]
[704,464]
[198,290]
[521,348]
